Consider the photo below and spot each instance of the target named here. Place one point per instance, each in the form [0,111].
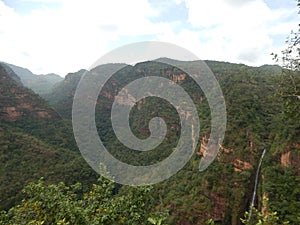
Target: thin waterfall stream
[256,183]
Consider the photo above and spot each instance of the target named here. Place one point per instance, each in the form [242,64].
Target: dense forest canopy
[45,180]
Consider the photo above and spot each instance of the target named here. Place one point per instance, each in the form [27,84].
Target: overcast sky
[64,36]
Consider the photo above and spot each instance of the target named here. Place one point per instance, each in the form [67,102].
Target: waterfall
[256,182]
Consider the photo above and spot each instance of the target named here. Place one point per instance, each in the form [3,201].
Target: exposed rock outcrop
[179,77]
[240,165]
[16,101]
[286,159]
[291,156]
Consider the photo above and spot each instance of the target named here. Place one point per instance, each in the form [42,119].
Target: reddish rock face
[240,166]
[291,156]
[16,101]
[179,77]
[10,113]
[286,159]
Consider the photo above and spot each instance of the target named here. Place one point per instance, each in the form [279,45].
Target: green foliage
[34,148]
[282,186]
[25,158]
[189,195]
[261,218]
[289,87]
[61,96]
[61,204]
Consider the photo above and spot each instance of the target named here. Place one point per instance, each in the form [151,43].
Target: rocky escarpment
[226,155]
[16,101]
[291,157]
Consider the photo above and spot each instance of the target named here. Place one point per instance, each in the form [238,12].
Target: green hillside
[222,193]
[254,123]
[35,142]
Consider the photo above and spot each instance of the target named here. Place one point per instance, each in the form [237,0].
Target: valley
[37,141]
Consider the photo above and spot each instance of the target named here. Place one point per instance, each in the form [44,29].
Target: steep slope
[18,101]
[61,97]
[9,72]
[25,158]
[40,84]
[223,192]
[62,93]
[34,142]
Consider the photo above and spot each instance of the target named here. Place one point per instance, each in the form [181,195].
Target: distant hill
[40,84]
[61,96]
[34,142]
[63,90]
[18,101]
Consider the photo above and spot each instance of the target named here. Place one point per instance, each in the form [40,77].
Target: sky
[62,36]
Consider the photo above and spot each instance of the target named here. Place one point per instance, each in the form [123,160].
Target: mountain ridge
[34,142]
[253,123]
[41,84]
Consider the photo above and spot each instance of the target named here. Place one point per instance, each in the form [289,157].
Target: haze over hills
[40,84]
[19,101]
[221,193]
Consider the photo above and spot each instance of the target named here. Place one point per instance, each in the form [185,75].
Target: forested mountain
[40,84]
[221,194]
[35,142]
[253,124]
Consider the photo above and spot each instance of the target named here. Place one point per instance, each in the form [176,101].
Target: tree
[288,92]
[261,218]
[60,204]
[289,83]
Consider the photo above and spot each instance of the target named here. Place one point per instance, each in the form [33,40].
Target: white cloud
[73,34]
[236,30]
[41,1]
